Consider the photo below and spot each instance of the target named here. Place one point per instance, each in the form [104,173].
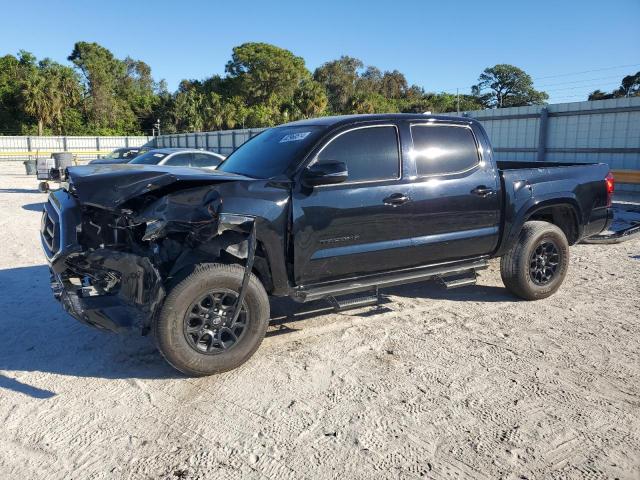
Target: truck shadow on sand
[38,336]
[19,190]
[33,207]
[285,312]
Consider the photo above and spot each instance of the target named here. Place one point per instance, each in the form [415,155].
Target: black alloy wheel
[544,262]
[209,326]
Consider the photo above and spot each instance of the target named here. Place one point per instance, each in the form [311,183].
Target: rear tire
[199,346]
[537,263]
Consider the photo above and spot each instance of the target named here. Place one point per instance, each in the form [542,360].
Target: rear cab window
[371,153]
[443,149]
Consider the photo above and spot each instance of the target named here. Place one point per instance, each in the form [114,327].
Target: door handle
[483,191]
[396,199]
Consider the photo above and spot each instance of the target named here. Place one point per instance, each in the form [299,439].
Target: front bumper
[104,288]
[105,311]
[135,294]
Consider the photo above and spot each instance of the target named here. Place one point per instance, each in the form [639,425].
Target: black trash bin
[62,160]
[30,166]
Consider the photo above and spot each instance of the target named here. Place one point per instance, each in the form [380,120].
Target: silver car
[179,157]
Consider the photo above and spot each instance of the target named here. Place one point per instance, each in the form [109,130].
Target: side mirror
[325,173]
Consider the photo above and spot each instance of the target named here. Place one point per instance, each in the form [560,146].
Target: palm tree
[37,100]
[64,91]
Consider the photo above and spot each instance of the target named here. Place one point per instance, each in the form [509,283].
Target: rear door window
[441,149]
[371,153]
[179,160]
[204,160]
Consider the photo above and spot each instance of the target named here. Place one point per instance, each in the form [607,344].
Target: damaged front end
[111,264]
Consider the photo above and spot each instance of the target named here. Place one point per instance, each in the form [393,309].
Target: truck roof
[346,119]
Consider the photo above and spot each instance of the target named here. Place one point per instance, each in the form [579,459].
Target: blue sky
[440,45]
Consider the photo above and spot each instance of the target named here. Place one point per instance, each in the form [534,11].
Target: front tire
[536,265]
[195,331]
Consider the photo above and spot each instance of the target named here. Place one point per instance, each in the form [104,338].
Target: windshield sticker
[294,137]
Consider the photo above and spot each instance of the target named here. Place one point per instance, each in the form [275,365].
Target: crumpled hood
[109,186]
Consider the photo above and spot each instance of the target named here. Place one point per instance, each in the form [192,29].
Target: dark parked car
[179,157]
[316,209]
[121,155]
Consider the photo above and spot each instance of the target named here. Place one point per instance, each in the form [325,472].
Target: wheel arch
[563,213]
[186,265]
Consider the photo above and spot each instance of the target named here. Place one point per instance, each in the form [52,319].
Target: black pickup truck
[329,208]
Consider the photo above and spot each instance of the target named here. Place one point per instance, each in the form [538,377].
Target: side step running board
[456,282]
[354,301]
[363,284]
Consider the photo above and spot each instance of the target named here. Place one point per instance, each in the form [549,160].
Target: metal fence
[24,147]
[606,131]
[223,142]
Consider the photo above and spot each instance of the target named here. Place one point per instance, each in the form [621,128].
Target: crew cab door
[359,226]
[455,208]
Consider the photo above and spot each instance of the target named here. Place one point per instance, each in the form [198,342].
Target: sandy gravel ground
[469,383]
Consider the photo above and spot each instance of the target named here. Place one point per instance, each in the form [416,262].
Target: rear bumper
[599,221]
[616,230]
[607,224]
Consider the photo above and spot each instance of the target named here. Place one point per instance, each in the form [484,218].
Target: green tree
[369,81]
[48,89]
[264,73]
[36,100]
[629,87]
[188,110]
[339,78]
[363,102]
[100,71]
[310,99]
[120,95]
[506,86]
[394,85]
[12,115]
[600,95]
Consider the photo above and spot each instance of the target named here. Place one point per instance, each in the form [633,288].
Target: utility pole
[157,126]
[458,100]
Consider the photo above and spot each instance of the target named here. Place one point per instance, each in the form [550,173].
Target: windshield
[271,152]
[118,153]
[149,158]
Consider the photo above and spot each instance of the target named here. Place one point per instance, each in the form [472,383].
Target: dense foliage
[507,86]
[629,87]
[263,85]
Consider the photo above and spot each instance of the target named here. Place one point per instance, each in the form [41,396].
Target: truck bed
[529,185]
[514,164]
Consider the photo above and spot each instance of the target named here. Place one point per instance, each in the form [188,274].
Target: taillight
[611,186]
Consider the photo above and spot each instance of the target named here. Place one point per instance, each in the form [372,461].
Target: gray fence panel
[83,147]
[222,141]
[606,131]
